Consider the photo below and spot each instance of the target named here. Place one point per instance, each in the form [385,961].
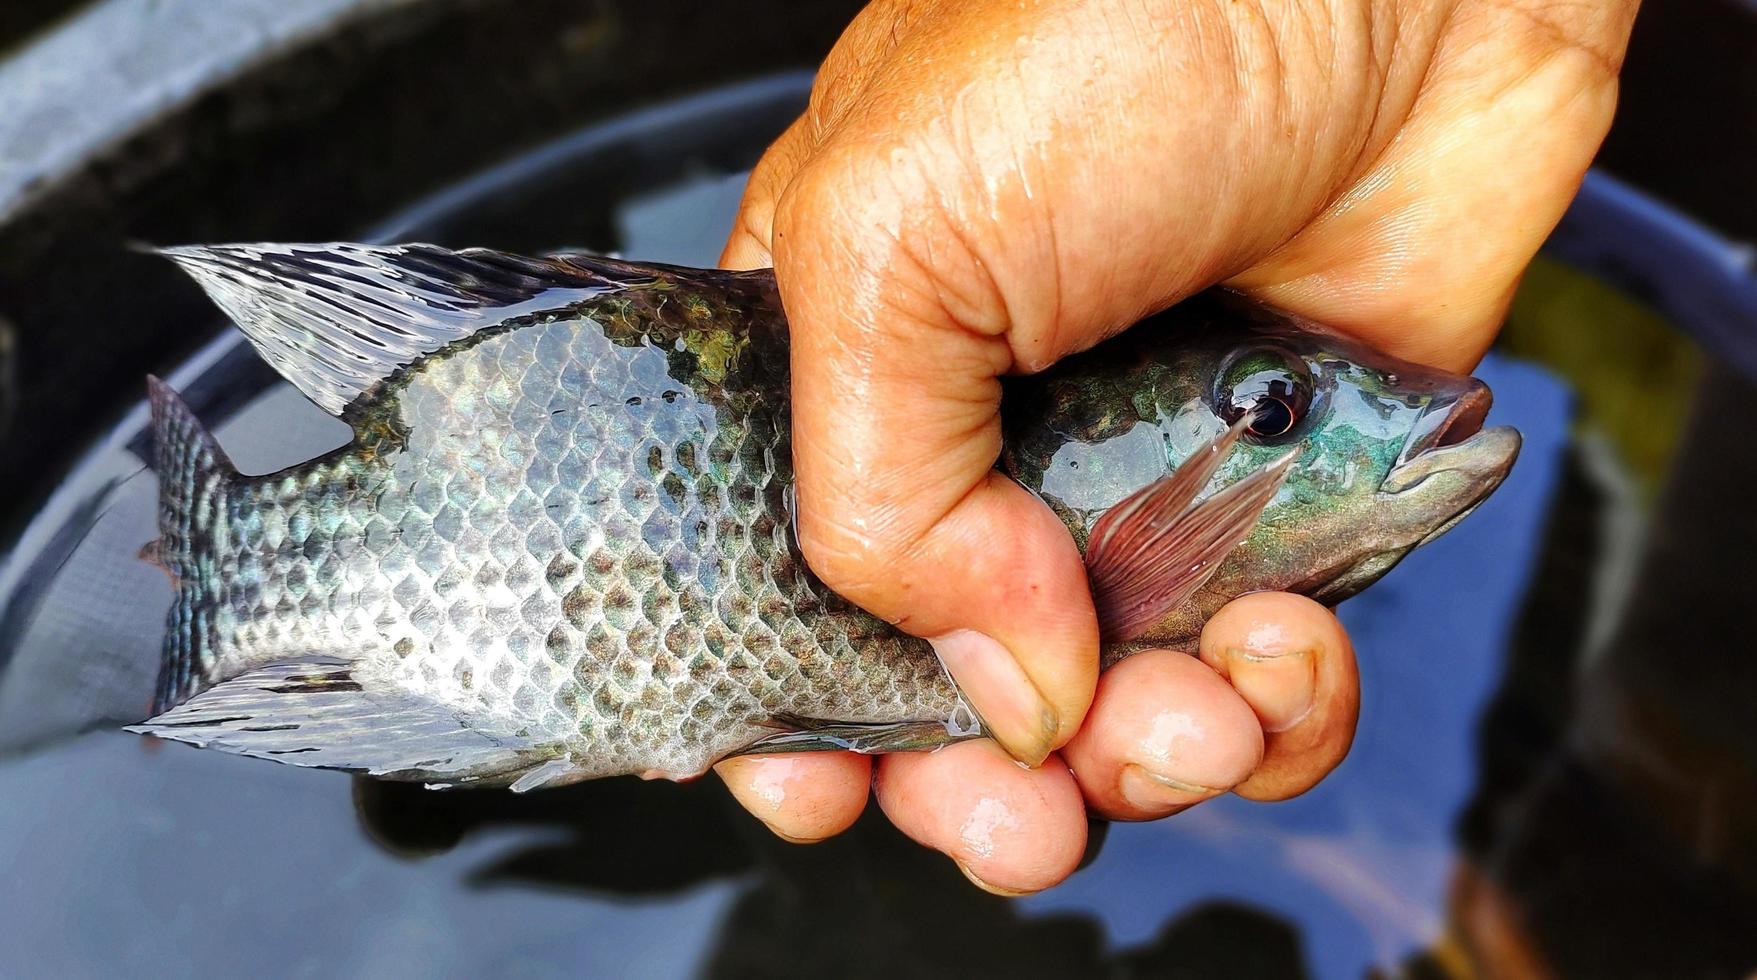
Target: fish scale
[560,543]
[565,531]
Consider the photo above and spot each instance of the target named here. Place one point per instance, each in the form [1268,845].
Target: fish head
[1385,455]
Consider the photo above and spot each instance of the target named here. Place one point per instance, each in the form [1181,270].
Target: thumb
[896,430]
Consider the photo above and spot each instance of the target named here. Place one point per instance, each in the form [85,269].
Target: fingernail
[1012,711]
[1157,793]
[789,838]
[1280,687]
[985,886]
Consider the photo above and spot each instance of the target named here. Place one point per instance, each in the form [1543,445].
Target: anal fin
[558,771]
[317,715]
[866,738]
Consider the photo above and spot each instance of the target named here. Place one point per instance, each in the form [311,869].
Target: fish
[560,543]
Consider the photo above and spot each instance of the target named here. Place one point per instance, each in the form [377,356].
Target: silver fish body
[559,545]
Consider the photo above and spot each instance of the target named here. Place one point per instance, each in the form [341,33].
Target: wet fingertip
[1281,687]
[1265,625]
[1291,661]
[802,799]
[1269,646]
[1014,830]
[789,838]
[1165,733]
[992,889]
[1161,795]
[1013,712]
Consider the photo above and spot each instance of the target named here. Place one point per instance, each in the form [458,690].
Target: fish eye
[1271,384]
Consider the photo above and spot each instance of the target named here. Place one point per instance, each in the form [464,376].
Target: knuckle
[817,201]
[853,561]
[850,180]
[755,221]
[880,215]
[1598,30]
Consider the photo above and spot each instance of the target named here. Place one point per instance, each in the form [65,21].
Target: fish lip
[1449,420]
[1482,460]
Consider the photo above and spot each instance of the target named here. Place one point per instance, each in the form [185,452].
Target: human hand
[981,188]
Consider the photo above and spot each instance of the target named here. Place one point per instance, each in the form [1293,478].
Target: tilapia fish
[559,545]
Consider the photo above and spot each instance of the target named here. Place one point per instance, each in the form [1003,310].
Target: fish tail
[194,480]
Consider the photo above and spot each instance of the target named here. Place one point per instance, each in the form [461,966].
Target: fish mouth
[1449,421]
[1449,467]
[1451,462]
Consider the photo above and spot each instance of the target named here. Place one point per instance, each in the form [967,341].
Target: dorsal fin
[335,319]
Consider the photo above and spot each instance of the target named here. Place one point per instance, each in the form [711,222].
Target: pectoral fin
[318,715]
[1156,547]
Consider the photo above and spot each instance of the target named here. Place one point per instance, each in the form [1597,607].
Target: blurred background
[1556,772]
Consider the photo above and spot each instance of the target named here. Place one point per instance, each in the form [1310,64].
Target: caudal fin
[194,479]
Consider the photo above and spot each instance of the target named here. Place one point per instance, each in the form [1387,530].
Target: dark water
[1555,765]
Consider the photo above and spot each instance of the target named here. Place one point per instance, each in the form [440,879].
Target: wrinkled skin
[982,188]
